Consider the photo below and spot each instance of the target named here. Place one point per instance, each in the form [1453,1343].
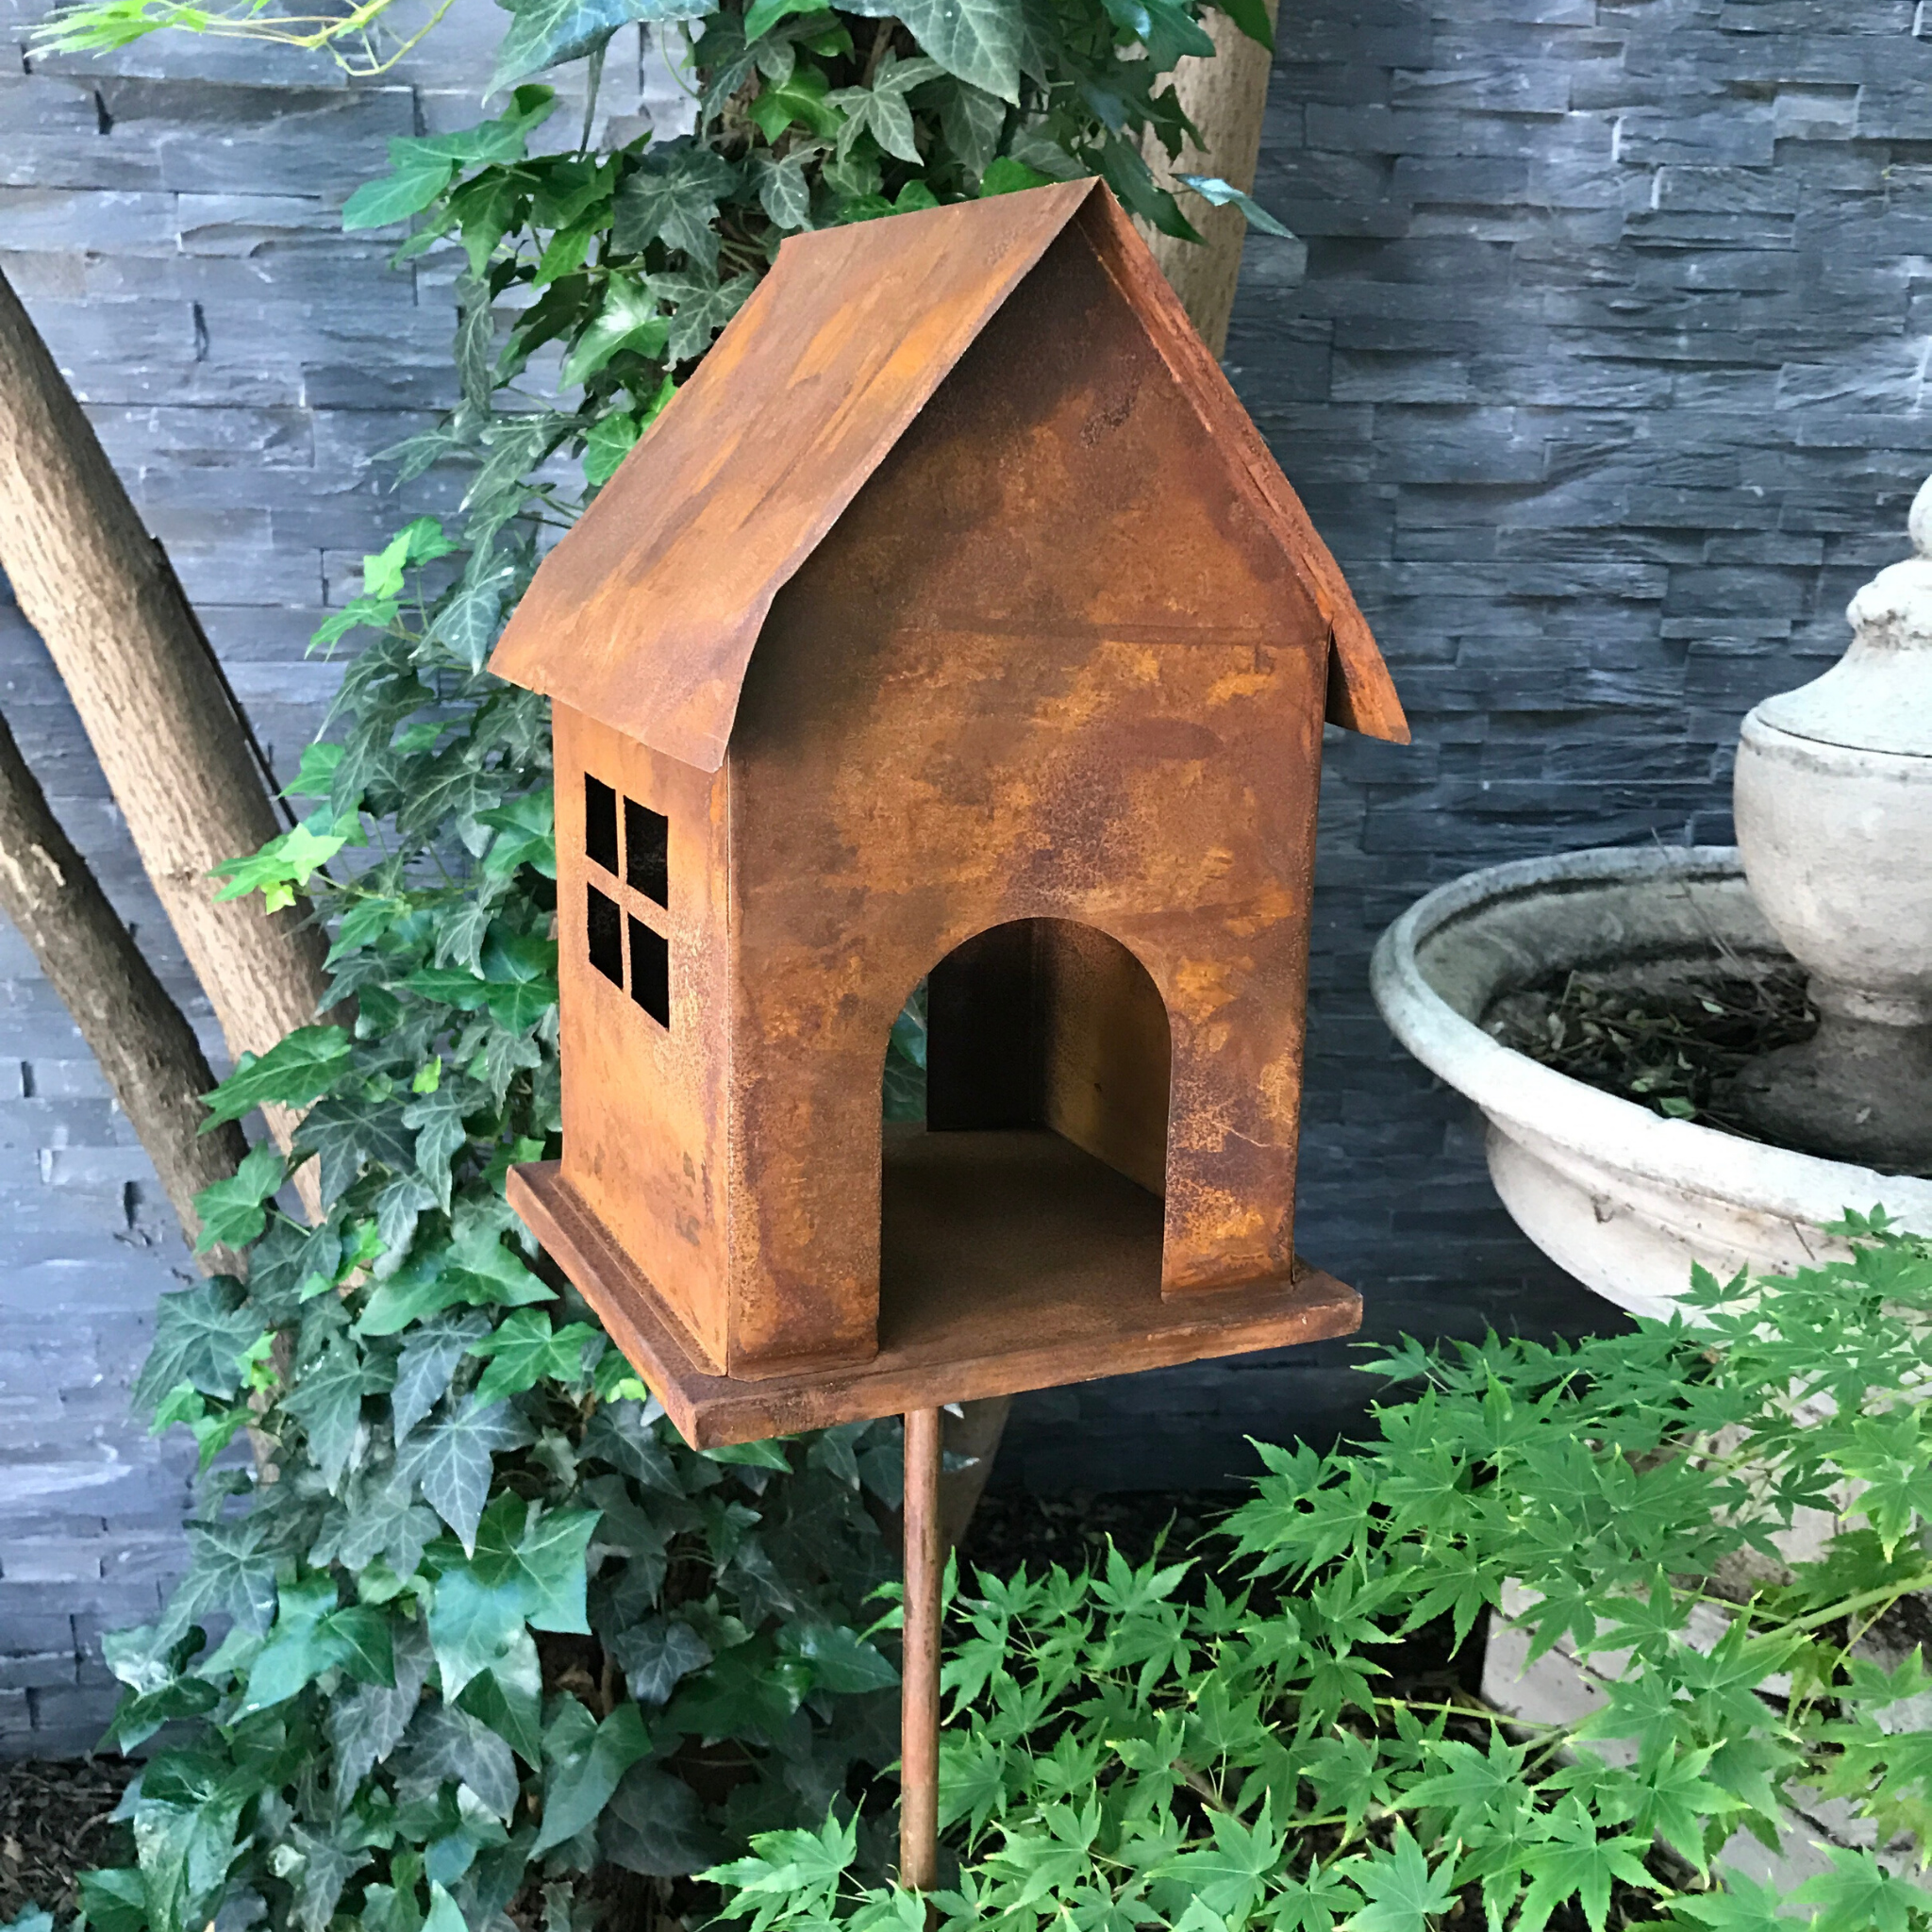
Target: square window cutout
[606,927]
[650,972]
[600,824]
[647,852]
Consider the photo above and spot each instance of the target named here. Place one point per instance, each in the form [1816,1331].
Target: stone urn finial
[1834,812]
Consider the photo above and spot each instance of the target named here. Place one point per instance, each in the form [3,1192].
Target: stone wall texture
[1602,375]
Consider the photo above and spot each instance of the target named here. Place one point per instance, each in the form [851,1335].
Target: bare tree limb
[142,1038]
[176,748]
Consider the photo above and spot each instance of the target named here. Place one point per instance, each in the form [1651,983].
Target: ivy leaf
[784,192]
[585,1772]
[414,180]
[656,1656]
[543,1556]
[880,109]
[398,1208]
[522,1351]
[672,197]
[446,1742]
[970,122]
[384,1521]
[525,832]
[310,1635]
[429,1355]
[467,624]
[348,1135]
[449,1462]
[293,1072]
[204,1336]
[546,33]
[629,319]
[840,1659]
[232,1211]
[703,307]
[654,1824]
[977,41]
[1220,193]
[327,1400]
[229,1571]
[438,1119]
[366,1723]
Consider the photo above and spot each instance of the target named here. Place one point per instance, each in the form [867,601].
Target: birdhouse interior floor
[1009,1260]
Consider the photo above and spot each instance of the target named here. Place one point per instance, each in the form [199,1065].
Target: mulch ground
[55,1821]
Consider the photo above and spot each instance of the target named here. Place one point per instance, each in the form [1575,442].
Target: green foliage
[473,1620]
[1141,1748]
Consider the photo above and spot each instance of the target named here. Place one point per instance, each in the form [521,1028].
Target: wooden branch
[1224,95]
[142,1038]
[174,744]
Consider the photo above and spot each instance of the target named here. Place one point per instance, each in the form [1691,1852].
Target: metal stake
[918,1694]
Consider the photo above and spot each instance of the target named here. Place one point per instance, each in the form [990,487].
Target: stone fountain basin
[1620,1197]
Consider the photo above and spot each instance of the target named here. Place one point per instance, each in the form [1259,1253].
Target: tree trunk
[171,738]
[1223,96]
[142,1038]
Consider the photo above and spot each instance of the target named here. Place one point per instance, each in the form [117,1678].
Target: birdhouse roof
[646,614]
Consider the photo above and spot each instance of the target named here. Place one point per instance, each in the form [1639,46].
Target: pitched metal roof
[646,614]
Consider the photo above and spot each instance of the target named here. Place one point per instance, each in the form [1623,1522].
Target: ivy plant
[1142,1747]
[470,1630]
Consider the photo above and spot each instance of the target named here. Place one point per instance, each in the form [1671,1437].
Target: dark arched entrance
[1039,1165]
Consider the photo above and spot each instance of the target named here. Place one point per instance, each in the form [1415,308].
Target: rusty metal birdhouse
[952,625]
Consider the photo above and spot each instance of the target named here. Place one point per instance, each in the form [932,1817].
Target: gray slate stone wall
[1603,380]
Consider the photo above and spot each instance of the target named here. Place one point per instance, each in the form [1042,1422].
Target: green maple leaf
[1745,1905]
[1403,1894]
[1469,1782]
[1576,1863]
[1857,1894]
[1229,1877]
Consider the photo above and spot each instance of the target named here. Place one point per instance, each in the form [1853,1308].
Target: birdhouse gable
[647,614]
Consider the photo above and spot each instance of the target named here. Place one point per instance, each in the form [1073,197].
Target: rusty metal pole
[919,1693]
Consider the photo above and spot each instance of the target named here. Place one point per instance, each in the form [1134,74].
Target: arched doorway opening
[1036,1175]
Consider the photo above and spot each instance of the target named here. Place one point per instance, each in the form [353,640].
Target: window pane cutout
[647,852]
[650,973]
[606,931]
[600,824]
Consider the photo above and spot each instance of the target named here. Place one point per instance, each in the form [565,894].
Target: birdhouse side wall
[1050,663]
[644,951]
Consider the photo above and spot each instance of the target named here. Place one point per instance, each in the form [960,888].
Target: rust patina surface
[956,622]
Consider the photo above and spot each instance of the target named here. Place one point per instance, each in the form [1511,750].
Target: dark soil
[55,1821]
[1671,1036]
[1010,1529]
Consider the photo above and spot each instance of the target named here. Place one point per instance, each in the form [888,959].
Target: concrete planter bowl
[1617,1195]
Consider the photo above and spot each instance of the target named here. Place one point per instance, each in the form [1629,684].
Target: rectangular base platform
[1009,1260]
